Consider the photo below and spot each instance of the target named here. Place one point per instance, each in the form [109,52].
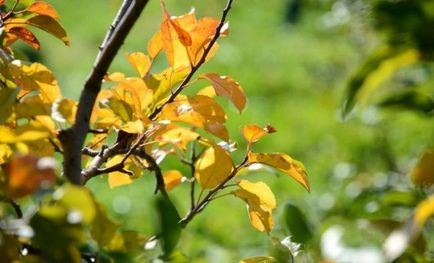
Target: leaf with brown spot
[26,36]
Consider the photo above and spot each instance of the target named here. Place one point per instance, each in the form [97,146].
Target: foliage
[135,123]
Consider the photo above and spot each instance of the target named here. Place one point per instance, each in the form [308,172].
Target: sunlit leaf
[172,179]
[155,45]
[423,173]
[424,210]
[5,153]
[50,25]
[32,106]
[77,199]
[179,136]
[260,201]
[164,82]
[227,87]
[213,167]
[29,132]
[284,163]
[140,62]
[253,133]
[26,174]
[118,178]
[43,8]
[133,127]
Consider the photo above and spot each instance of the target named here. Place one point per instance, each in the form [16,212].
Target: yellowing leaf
[26,174]
[77,199]
[284,163]
[213,167]
[260,201]
[227,87]
[208,91]
[64,110]
[50,25]
[43,8]
[32,106]
[8,98]
[423,173]
[26,36]
[140,62]
[172,179]
[260,259]
[163,83]
[424,210]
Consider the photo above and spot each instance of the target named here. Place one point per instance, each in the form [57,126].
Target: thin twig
[186,81]
[16,207]
[193,171]
[11,13]
[73,139]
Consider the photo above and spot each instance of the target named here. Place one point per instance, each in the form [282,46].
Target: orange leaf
[227,87]
[183,36]
[26,36]
[284,163]
[172,179]
[26,174]
[253,133]
[43,8]
[155,45]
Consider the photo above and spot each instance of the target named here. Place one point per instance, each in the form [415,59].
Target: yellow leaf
[260,259]
[200,111]
[117,178]
[207,91]
[26,174]
[172,179]
[28,132]
[35,77]
[164,82]
[140,62]
[213,167]
[155,45]
[64,110]
[260,200]
[284,163]
[134,127]
[423,173]
[227,87]
[424,210]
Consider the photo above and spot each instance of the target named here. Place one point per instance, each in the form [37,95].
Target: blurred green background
[294,74]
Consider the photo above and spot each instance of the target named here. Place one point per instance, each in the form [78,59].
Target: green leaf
[410,100]
[380,66]
[7,100]
[170,230]
[280,252]
[297,224]
[120,108]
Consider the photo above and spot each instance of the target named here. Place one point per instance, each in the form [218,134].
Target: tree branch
[194,68]
[73,138]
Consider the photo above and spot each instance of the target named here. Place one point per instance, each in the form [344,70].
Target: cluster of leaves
[408,43]
[135,124]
